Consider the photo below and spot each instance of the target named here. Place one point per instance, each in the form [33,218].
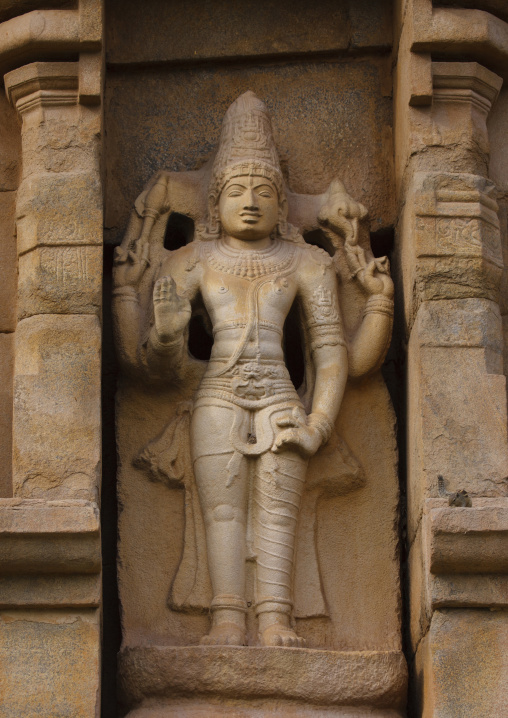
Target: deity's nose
[251,201]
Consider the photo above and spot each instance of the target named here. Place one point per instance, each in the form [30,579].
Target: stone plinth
[334,681]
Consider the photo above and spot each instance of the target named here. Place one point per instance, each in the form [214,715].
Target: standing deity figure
[251,432]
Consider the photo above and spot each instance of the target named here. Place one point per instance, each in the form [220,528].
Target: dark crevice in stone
[179,231]
[394,371]
[319,239]
[111,632]
[382,241]
[213,63]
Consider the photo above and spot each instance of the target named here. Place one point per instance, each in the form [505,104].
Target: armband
[321,335]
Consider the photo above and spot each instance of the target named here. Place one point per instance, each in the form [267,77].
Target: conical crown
[246,145]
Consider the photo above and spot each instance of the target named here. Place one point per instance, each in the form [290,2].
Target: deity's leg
[224,504]
[279,483]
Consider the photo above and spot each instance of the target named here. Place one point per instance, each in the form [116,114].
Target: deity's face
[249,208]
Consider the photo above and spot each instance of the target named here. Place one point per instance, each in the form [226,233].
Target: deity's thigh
[212,451]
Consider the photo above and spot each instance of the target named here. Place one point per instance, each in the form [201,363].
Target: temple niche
[257,478]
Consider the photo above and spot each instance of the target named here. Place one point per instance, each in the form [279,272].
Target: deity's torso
[248,294]
[244,288]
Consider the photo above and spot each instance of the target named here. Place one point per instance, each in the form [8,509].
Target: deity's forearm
[166,358]
[370,344]
[331,364]
[126,323]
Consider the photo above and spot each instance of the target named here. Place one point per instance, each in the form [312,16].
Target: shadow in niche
[179,231]
[111,632]
[293,347]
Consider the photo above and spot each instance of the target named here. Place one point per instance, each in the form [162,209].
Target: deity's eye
[235,191]
[265,191]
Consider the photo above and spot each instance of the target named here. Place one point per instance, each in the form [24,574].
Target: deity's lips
[250,217]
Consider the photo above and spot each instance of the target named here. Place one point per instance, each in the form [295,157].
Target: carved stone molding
[452,33]
[50,554]
[452,245]
[42,84]
[459,32]
[50,33]
[464,555]
[466,82]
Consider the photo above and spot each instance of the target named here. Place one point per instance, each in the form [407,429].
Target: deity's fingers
[120,256]
[145,254]
[370,269]
[383,265]
[161,290]
[355,257]
[287,421]
[286,437]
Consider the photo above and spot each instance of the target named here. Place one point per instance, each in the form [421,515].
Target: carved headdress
[246,146]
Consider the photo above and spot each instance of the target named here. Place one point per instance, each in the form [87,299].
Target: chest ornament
[249,264]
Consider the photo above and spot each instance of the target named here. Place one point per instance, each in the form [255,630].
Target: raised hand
[130,264]
[374,276]
[172,312]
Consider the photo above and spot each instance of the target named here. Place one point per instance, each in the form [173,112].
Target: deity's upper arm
[318,294]
[184,267]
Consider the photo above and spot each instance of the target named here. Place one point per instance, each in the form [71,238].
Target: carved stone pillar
[450,264]
[50,581]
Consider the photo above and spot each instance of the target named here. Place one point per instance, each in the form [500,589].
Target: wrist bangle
[379,304]
[160,346]
[321,423]
[125,292]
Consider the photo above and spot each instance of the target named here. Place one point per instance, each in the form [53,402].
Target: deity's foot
[279,635]
[225,634]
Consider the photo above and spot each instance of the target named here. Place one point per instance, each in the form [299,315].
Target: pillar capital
[42,84]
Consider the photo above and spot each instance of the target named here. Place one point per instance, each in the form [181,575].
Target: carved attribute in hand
[252,433]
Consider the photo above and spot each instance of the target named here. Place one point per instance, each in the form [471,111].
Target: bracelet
[126,292]
[161,347]
[321,423]
[379,304]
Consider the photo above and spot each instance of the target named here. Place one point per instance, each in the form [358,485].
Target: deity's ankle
[274,624]
[228,610]
[226,615]
[273,610]
[271,618]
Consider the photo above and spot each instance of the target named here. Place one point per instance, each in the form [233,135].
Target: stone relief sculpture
[243,442]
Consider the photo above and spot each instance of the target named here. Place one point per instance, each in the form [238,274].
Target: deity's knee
[225,513]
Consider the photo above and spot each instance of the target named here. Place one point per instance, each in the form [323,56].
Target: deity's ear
[282,225]
[213,225]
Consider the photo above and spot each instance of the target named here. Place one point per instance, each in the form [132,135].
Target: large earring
[214,226]
[282,226]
